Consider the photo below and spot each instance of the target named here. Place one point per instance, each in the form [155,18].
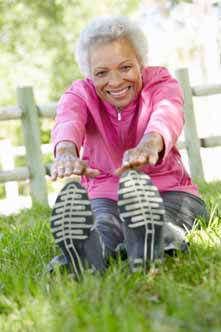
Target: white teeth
[118,93]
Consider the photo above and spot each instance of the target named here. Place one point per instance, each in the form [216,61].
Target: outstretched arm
[164,126]
[68,134]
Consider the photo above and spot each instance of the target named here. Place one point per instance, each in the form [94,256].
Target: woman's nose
[115,79]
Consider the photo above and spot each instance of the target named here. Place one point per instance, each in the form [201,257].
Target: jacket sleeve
[167,117]
[71,119]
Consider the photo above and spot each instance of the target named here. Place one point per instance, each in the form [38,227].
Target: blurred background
[37,40]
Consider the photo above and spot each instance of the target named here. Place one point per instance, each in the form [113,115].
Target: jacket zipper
[119,118]
[118,114]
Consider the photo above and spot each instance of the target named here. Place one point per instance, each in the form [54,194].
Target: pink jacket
[84,119]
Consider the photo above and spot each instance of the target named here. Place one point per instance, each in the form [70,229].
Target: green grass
[182,294]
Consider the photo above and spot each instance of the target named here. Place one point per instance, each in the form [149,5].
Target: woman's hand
[147,152]
[67,162]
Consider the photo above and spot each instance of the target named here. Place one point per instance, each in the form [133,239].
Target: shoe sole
[141,206]
[71,223]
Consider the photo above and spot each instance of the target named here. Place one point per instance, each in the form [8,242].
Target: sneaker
[73,228]
[142,212]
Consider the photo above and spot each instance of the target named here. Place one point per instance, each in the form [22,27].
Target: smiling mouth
[119,93]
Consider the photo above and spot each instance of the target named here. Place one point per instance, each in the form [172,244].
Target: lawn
[182,294]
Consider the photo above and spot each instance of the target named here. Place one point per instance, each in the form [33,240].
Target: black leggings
[181,210]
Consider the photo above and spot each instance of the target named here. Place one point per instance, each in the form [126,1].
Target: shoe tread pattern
[71,223]
[140,202]
[71,215]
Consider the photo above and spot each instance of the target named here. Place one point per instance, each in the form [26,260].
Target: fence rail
[17,174]
[28,112]
[10,113]
[206,90]
[15,112]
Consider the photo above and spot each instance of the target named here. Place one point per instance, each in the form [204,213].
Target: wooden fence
[192,142]
[29,112]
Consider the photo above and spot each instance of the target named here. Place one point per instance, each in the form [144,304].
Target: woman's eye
[101,73]
[125,68]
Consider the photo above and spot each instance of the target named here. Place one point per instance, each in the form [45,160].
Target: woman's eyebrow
[127,60]
[100,67]
[106,67]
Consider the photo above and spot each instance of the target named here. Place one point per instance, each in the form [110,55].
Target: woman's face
[116,72]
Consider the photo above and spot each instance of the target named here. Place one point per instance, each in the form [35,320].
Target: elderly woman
[117,129]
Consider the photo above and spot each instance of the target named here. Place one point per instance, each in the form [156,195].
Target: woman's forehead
[112,52]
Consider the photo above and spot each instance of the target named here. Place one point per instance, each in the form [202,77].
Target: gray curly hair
[107,29]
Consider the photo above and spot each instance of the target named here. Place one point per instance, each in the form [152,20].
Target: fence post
[190,130]
[32,142]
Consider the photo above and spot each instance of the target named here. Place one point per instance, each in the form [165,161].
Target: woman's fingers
[62,166]
[70,165]
[142,156]
[153,158]
[137,157]
[54,173]
[79,167]
[68,169]
[57,171]
[91,172]
[120,170]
